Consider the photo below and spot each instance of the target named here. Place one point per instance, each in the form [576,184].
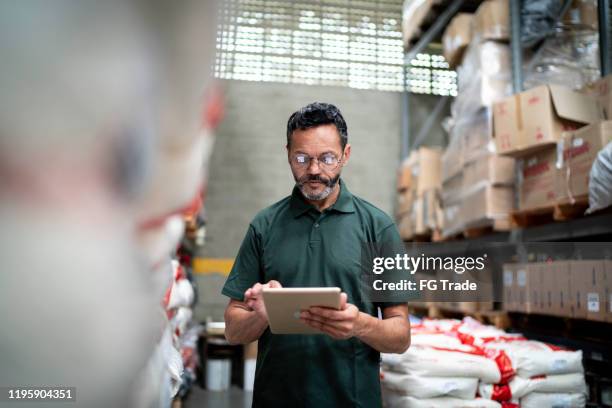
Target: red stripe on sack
[501,393]
[506,371]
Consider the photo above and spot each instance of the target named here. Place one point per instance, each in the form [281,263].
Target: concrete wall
[249,168]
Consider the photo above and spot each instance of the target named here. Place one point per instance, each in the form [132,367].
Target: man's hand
[339,324]
[253,298]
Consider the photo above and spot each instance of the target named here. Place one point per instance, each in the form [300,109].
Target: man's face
[317,178]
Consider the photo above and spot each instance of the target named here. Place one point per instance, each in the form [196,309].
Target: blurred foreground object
[102,140]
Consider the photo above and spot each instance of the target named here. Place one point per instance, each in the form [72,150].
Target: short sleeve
[246,270]
[391,245]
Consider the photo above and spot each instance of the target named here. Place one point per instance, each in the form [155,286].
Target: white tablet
[285,304]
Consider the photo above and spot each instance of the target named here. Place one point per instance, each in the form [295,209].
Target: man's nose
[313,167]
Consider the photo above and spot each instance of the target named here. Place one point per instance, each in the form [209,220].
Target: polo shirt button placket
[315,233]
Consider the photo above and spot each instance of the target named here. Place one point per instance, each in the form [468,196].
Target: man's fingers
[274,284]
[256,289]
[343,301]
[327,313]
[325,328]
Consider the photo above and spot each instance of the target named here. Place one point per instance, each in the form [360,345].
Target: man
[314,238]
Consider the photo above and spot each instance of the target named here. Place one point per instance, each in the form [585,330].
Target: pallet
[453,237]
[497,318]
[428,236]
[488,226]
[555,213]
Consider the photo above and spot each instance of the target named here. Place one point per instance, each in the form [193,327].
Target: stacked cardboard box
[456,38]
[418,210]
[576,288]
[413,15]
[473,193]
[556,133]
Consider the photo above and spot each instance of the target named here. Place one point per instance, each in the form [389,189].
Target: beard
[329,184]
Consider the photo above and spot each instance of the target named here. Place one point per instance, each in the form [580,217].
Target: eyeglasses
[326,161]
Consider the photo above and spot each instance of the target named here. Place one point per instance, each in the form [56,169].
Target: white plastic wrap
[416,385]
[600,181]
[542,400]
[569,58]
[483,78]
[532,358]
[459,361]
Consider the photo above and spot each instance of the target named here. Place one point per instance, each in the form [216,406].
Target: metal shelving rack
[599,227]
[434,25]
[595,342]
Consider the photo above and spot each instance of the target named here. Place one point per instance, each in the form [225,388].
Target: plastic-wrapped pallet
[483,78]
[570,57]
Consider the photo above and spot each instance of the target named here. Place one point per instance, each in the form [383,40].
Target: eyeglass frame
[307,165]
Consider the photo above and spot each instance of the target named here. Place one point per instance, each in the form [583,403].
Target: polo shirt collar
[344,203]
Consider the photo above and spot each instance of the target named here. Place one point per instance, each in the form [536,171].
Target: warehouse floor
[234,398]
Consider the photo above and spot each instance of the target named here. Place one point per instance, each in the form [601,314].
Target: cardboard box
[576,152]
[537,180]
[492,20]
[603,93]
[452,189]
[581,273]
[405,200]
[452,159]
[452,223]
[596,284]
[426,212]
[533,288]
[456,38]
[485,203]
[405,227]
[425,168]
[510,287]
[413,14]
[561,289]
[546,291]
[404,177]
[492,169]
[582,12]
[531,120]
[521,288]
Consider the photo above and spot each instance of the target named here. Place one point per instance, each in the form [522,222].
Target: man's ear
[347,154]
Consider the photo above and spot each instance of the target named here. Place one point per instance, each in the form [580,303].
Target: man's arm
[246,321]
[242,324]
[389,335]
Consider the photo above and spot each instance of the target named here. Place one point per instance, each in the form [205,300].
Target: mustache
[315,177]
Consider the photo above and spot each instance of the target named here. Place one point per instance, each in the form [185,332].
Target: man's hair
[317,114]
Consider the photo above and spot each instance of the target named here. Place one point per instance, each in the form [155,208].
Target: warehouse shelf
[433,26]
[590,228]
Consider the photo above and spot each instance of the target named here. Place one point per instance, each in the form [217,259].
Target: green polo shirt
[295,244]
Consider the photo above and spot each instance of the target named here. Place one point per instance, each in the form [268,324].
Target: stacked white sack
[547,376]
[438,370]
